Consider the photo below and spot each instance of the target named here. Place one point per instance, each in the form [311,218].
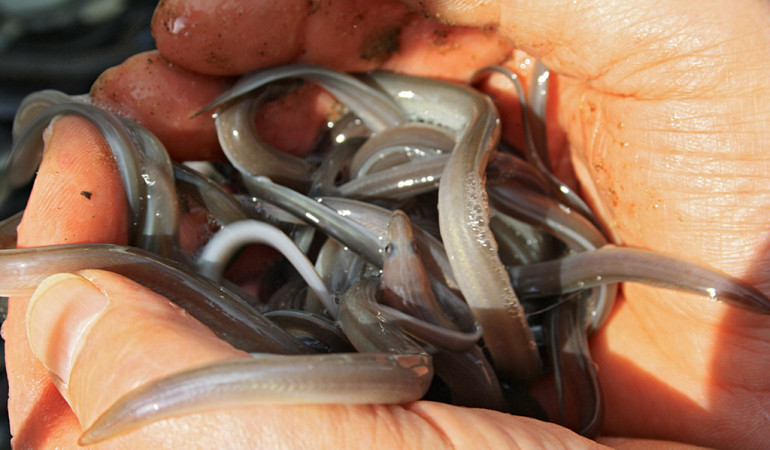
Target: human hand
[663,109]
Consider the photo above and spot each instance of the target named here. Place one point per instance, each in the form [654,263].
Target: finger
[293,122]
[185,29]
[163,98]
[78,183]
[75,321]
[160,94]
[71,314]
[348,35]
[77,197]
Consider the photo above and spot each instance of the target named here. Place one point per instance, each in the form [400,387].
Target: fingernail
[59,315]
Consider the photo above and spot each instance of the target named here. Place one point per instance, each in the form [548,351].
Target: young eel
[610,264]
[536,149]
[223,312]
[160,233]
[316,214]
[375,218]
[572,228]
[390,369]
[337,378]
[457,359]
[464,215]
[574,373]
[251,155]
[219,250]
[405,282]
[400,144]
[397,182]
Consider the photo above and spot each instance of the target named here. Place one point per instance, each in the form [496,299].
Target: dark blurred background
[63,45]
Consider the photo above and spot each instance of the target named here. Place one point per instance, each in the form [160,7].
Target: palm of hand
[674,166]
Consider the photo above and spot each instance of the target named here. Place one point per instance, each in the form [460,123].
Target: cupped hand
[665,109]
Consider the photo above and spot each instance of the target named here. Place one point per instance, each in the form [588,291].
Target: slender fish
[464,216]
[223,312]
[610,264]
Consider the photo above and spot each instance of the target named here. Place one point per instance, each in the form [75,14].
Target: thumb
[101,335]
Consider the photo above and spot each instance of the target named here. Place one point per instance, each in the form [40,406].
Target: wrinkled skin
[666,110]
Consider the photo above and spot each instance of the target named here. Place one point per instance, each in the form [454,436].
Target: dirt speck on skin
[381,44]
[313,7]
[86,194]
[215,59]
[423,11]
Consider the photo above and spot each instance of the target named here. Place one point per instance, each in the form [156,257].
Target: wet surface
[66,55]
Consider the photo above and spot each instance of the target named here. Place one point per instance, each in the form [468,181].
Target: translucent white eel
[216,254]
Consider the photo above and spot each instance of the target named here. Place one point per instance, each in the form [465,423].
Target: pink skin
[162,90]
[162,96]
[350,35]
[103,217]
[665,108]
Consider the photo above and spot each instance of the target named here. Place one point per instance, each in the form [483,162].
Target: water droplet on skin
[177,25]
